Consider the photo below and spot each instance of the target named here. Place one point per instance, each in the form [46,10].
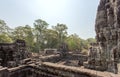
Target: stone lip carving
[12,53]
[107,29]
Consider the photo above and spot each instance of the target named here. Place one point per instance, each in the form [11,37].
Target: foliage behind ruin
[40,36]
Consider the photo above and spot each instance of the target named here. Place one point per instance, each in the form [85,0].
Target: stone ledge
[78,71]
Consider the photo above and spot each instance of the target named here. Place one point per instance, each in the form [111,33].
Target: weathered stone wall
[107,29]
[72,56]
[3,72]
[12,53]
[70,59]
[51,58]
[46,69]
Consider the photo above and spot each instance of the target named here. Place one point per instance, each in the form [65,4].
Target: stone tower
[107,29]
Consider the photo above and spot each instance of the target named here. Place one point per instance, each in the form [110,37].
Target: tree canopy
[40,36]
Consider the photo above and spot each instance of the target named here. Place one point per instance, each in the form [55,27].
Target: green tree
[3,27]
[40,27]
[61,30]
[24,33]
[73,42]
[29,37]
[18,33]
[5,38]
[4,32]
[91,40]
[41,37]
[51,38]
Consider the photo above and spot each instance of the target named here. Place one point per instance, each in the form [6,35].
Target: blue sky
[78,15]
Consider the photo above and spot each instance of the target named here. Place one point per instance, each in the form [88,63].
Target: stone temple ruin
[107,29]
[12,53]
[104,55]
[16,61]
